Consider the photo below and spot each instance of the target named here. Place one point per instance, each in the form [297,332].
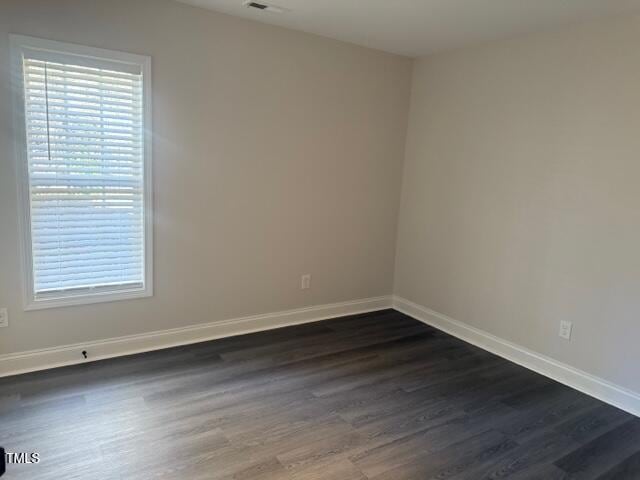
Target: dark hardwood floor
[377,396]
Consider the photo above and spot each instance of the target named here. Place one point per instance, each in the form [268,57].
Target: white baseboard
[23,362]
[584,382]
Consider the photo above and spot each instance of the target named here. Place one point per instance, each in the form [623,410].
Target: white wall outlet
[305,281]
[4,317]
[565,329]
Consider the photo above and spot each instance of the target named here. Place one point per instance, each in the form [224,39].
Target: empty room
[320,239]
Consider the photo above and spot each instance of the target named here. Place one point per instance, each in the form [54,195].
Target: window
[84,161]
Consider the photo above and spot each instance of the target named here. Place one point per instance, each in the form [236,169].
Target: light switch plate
[4,317]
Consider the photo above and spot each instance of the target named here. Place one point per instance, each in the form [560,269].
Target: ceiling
[420,27]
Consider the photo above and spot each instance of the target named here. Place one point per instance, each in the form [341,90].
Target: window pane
[86,176]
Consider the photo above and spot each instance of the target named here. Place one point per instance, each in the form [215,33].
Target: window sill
[91,297]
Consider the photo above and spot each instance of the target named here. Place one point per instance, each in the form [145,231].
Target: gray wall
[276,153]
[521,198]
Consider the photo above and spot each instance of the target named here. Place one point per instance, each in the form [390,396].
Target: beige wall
[521,193]
[276,153]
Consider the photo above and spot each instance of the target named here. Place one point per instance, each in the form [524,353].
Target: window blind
[85,142]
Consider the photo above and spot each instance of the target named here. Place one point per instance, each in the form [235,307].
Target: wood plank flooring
[376,396]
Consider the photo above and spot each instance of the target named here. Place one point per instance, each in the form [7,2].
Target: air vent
[264,7]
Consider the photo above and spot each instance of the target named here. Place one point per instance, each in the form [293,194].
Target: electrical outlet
[305,281]
[565,329]
[4,317]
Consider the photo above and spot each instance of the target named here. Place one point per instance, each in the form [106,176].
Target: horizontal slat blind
[86,176]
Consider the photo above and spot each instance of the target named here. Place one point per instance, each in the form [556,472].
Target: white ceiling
[420,27]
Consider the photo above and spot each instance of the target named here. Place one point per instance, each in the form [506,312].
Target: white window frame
[20,43]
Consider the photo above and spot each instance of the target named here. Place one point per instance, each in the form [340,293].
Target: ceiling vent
[265,7]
